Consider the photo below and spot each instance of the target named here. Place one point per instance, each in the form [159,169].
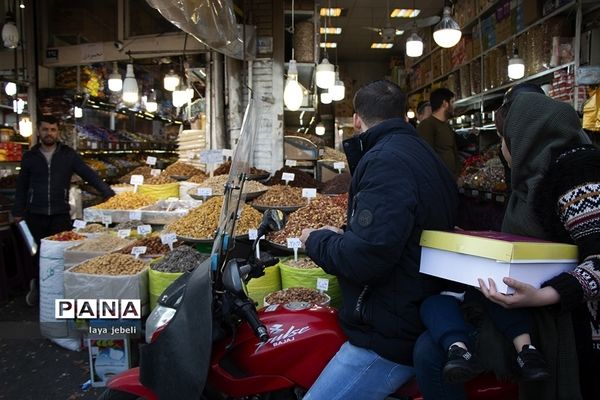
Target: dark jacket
[44,189]
[399,188]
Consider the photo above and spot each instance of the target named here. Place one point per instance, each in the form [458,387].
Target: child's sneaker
[531,365]
[462,365]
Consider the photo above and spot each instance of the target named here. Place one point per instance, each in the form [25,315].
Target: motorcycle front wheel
[110,394]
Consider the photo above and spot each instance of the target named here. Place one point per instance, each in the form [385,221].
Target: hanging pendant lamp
[115,83]
[447,33]
[325,75]
[293,95]
[516,67]
[171,81]
[130,87]
[10,33]
[414,45]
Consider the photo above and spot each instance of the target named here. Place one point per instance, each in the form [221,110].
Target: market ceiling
[355,41]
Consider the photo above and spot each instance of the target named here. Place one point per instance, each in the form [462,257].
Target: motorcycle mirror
[273,220]
[232,278]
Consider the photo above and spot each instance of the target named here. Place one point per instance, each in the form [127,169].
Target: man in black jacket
[399,188]
[42,195]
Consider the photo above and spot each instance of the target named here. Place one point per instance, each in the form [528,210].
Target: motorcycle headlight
[158,320]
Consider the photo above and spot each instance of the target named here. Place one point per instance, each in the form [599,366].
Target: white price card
[211,156]
[294,243]
[339,165]
[291,163]
[107,219]
[227,153]
[288,177]
[252,234]
[135,215]
[151,160]
[137,179]
[155,172]
[144,229]
[172,199]
[168,238]
[204,191]
[309,193]
[124,233]
[137,250]
[79,224]
[322,284]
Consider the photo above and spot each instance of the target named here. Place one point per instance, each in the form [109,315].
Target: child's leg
[444,320]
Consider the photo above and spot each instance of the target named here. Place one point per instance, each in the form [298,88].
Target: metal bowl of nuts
[285,209]
[180,177]
[297,294]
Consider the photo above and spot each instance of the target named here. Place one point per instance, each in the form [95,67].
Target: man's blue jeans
[355,373]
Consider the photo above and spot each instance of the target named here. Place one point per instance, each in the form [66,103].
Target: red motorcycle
[277,354]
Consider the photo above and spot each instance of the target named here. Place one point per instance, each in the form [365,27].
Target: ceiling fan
[388,32]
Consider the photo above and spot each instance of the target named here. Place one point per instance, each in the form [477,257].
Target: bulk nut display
[159,180]
[294,294]
[144,170]
[103,243]
[202,222]
[319,213]
[302,263]
[217,184]
[182,259]
[198,178]
[182,169]
[153,246]
[282,196]
[126,201]
[93,228]
[301,178]
[128,225]
[226,167]
[111,264]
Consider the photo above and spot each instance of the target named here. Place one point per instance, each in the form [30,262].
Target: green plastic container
[307,277]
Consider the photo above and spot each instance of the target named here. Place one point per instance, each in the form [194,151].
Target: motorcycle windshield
[234,197]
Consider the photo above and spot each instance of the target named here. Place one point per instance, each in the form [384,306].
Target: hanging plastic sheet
[211,22]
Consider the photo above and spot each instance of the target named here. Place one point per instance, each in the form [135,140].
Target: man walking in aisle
[399,187]
[437,131]
[42,193]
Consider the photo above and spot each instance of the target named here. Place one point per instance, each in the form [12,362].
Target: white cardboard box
[465,256]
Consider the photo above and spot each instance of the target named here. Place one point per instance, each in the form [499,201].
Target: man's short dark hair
[438,96]
[421,106]
[379,101]
[49,119]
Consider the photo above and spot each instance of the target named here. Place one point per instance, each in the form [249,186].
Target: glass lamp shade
[10,88]
[516,67]
[150,103]
[171,81]
[10,33]
[320,129]
[447,33]
[115,83]
[338,90]
[25,126]
[180,96]
[130,87]
[325,74]
[326,97]
[414,45]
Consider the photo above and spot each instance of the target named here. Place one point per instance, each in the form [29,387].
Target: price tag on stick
[287,177]
[339,166]
[135,215]
[79,224]
[107,220]
[144,230]
[291,163]
[309,193]
[322,284]
[137,250]
[151,160]
[294,243]
[155,172]
[168,239]
[136,180]
[124,233]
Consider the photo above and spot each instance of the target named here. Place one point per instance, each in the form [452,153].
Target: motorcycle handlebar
[248,312]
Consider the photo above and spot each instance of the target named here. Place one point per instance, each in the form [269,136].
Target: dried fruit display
[338,185]
[302,263]
[226,166]
[217,184]
[182,259]
[103,243]
[145,171]
[153,246]
[182,169]
[296,294]
[66,236]
[126,201]
[111,264]
[301,178]
[282,196]
[202,222]
[159,180]
[198,178]
[329,153]
[93,228]
[319,213]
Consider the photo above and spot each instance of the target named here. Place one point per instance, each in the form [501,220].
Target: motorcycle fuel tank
[302,340]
